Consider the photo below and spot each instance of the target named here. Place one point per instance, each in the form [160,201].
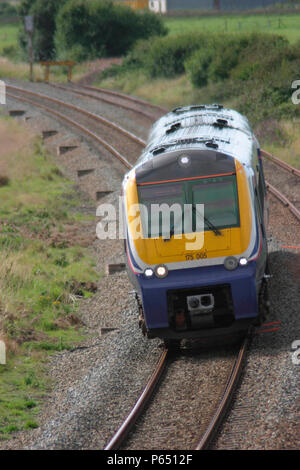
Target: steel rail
[281,163]
[226,399]
[284,200]
[127,97]
[82,128]
[98,118]
[231,385]
[138,408]
[136,139]
[81,91]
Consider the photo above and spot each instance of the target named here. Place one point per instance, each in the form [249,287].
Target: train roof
[201,127]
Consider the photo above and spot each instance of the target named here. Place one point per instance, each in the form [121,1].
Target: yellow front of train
[191,239]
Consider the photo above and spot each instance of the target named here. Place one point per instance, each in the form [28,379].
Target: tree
[86,30]
[45,26]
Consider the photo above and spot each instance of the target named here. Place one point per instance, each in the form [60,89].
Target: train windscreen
[218,195]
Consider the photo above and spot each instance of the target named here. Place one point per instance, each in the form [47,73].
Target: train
[195,214]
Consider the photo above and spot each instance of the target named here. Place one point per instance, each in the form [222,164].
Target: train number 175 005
[200,255]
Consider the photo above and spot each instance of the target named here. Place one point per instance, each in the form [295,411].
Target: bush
[257,76]
[252,73]
[101,28]
[198,66]
[166,56]
[204,57]
[224,53]
[10,51]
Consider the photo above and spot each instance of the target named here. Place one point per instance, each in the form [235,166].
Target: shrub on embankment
[254,71]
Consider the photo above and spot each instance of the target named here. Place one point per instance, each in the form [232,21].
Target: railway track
[206,436]
[220,413]
[90,125]
[138,106]
[129,103]
[278,194]
[122,433]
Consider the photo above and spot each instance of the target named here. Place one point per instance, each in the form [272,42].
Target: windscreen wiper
[172,231]
[208,222]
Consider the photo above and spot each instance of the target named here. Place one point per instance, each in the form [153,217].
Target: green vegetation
[44,266]
[45,26]
[53,40]
[7,10]
[87,30]
[252,73]
[286,25]
[80,30]
[9,40]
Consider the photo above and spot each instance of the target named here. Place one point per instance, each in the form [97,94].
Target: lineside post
[29,28]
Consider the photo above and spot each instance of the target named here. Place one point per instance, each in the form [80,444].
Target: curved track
[213,422]
[218,417]
[273,190]
[87,123]
[154,112]
[147,110]
[136,411]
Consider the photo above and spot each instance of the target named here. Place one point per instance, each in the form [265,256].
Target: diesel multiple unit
[195,213]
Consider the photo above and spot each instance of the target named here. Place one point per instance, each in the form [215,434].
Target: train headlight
[243,261]
[161,271]
[148,273]
[231,263]
[184,160]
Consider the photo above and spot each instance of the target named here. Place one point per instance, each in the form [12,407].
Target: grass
[13,66]
[18,70]
[42,263]
[287,25]
[289,150]
[166,92]
[8,36]
[10,68]
[22,389]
